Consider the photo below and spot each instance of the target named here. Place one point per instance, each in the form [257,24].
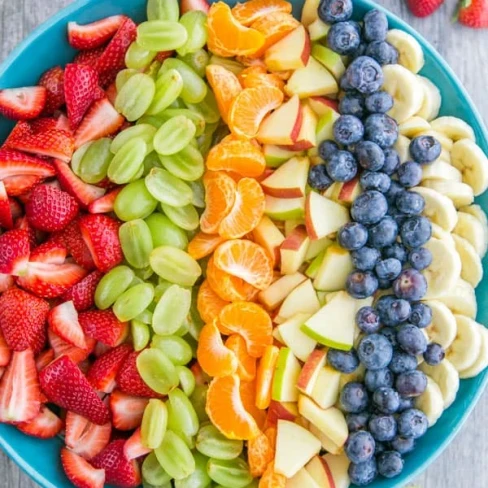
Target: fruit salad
[237,249]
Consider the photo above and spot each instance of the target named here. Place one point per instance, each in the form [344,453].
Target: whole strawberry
[473,13]
[423,8]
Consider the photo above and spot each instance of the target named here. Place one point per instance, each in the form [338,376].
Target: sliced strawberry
[101,120]
[111,93]
[43,124]
[104,204]
[6,218]
[77,247]
[94,35]
[17,186]
[23,103]
[65,385]
[189,5]
[45,426]
[20,130]
[52,251]
[119,471]
[15,163]
[14,252]
[61,348]
[63,320]
[62,122]
[134,448]
[23,223]
[19,389]
[53,81]
[127,410]
[83,293]
[101,235]
[89,57]
[5,352]
[80,472]
[104,326]
[129,380]
[44,358]
[6,282]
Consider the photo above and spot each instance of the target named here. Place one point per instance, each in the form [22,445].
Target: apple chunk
[318,30]
[284,208]
[293,250]
[292,52]
[323,106]
[319,471]
[303,299]
[289,180]
[334,269]
[266,234]
[285,377]
[309,12]
[281,411]
[338,466]
[275,156]
[331,60]
[293,337]
[311,371]
[273,296]
[307,137]
[326,387]
[327,444]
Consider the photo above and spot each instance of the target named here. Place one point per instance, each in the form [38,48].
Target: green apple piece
[338,466]
[327,444]
[314,266]
[318,30]
[295,446]
[334,269]
[275,294]
[293,250]
[284,208]
[289,180]
[326,389]
[311,370]
[317,247]
[285,378]
[328,58]
[309,12]
[325,125]
[303,299]
[322,296]
[291,225]
[293,337]
[268,235]
[275,156]
[277,336]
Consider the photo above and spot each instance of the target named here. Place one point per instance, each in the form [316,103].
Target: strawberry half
[127,410]
[80,472]
[63,321]
[44,358]
[6,218]
[14,252]
[189,5]
[89,57]
[76,246]
[61,348]
[17,186]
[5,352]
[23,103]
[104,204]
[104,326]
[134,448]
[94,35]
[19,389]
[45,425]
[129,380]
[23,223]
[52,251]
[53,81]
[473,13]
[83,293]
[15,163]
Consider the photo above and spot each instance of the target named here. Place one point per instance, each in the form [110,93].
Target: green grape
[195,23]
[187,380]
[165,233]
[112,285]
[153,425]
[163,10]
[198,199]
[192,343]
[171,310]
[174,135]
[153,473]
[145,132]
[146,316]
[161,35]
[178,103]
[78,157]
[175,457]
[123,77]
[137,57]
[194,88]
[229,473]
[197,119]
[139,173]
[212,443]
[137,281]
[135,97]
[133,301]
[151,161]
[134,202]
[227,63]
[155,120]
[182,416]
[157,370]
[175,265]
[199,400]
[199,478]
[185,217]
[127,161]
[183,330]
[205,141]
[160,290]
[176,348]
[92,161]
[207,108]
[197,61]
[140,334]
[168,88]
[144,273]
[153,70]
[135,239]
[188,164]
[167,188]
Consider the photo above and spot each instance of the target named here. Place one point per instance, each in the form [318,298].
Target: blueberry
[383,427]
[369,207]
[390,464]
[400,218]
[384,233]
[434,354]
[318,178]
[425,149]
[352,104]
[393,311]
[361,49]
[331,11]
[421,315]
[378,379]
[370,155]
[352,236]
[375,26]
[411,285]
[361,284]
[367,320]
[412,424]
[405,404]
[410,202]
[345,85]
[420,258]
[411,339]
[390,335]
[383,52]
[416,231]
[365,75]
[392,161]
[375,181]
[401,362]
[375,351]
[365,259]
[348,129]
[397,251]
[381,129]
[384,284]
[409,174]
[344,361]
[411,383]
[403,445]
[342,166]
[363,474]
[360,447]
[354,398]
[327,149]
[380,447]
[343,38]
[392,193]
[357,421]
[379,103]
[386,400]
[388,269]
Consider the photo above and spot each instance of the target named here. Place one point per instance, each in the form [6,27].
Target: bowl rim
[37,476]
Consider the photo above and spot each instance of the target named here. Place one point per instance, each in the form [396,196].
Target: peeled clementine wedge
[204,244]
[209,304]
[248,395]
[259,454]
[246,369]
[225,86]
[264,377]
[255,76]
[248,12]
[271,479]
[271,434]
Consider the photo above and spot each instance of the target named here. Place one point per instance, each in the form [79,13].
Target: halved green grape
[112,285]
[124,76]
[182,416]
[188,164]
[135,239]
[171,310]
[157,370]
[198,199]
[183,330]
[140,334]
[212,443]
[133,301]
[229,473]
[151,161]
[163,10]
[135,97]
[197,61]
[167,188]
[230,64]
[139,173]
[199,478]
[196,118]
[146,132]
[199,400]
[152,471]
[184,217]
[205,141]
[168,88]
[154,423]
[207,108]
[146,316]
[161,35]
[134,202]
[78,157]
[137,57]
[195,23]
[96,158]
[176,348]
[127,162]
[174,135]
[153,70]
[165,233]
[175,457]
[187,380]
[137,281]
[175,265]
[194,88]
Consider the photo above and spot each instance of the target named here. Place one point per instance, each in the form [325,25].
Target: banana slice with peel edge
[471,229]
[441,170]
[447,379]
[443,328]
[461,299]
[454,128]
[482,361]
[431,402]
[460,193]
[466,347]
[410,52]
[432,99]
[472,268]
[438,207]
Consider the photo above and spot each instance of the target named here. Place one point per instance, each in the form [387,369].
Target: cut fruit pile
[243,249]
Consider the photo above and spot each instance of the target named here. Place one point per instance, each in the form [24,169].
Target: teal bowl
[47,47]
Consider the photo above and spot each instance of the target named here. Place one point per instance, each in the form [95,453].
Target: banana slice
[469,158]
[413,126]
[445,269]
[453,128]
[482,361]
[444,141]
[439,233]
[438,208]
[405,89]
[443,328]
[431,402]
[445,156]
[410,53]
[466,347]
[472,230]
[441,170]
[461,299]
[432,99]
[472,269]
[447,379]
[402,147]
[476,211]
[460,193]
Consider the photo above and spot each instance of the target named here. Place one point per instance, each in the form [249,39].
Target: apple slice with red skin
[321,105]
[290,53]
[293,250]
[275,294]
[307,137]
[267,235]
[289,180]
[311,370]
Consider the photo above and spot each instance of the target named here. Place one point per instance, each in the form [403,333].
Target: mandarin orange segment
[271,434]
[203,245]
[271,479]
[250,107]
[246,260]
[265,375]
[248,62]
[246,369]
[248,12]
[255,76]
[226,410]
[212,355]
[248,395]
[251,322]
[209,304]
[259,454]
[225,86]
